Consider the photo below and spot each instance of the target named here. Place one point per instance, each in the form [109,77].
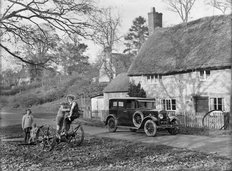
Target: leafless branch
[106,34]
[68,16]
[221,5]
[181,7]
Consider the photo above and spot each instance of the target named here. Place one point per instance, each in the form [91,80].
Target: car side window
[130,104]
[120,104]
[115,104]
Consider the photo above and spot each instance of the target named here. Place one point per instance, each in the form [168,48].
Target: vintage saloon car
[139,113]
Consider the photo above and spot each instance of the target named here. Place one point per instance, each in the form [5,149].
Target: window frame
[150,78]
[123,104]
[112,104]
[204,75]
[168,105]
[153,78]
[215,106]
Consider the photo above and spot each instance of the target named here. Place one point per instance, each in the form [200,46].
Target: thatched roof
[119,84]
[203,43]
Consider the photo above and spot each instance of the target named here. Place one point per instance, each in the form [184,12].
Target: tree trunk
[230,119]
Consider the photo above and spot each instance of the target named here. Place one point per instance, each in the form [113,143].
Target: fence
[215,120]
[85,106]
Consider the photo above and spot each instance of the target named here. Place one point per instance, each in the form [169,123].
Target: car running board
[127,127]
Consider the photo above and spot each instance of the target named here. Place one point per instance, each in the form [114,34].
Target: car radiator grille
[163,122]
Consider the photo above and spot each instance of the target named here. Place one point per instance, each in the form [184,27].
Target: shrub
[16,105]
[136,90]
[5,87]
[18,89]
[3,102]
[52,95]
[29,100]
[25,100]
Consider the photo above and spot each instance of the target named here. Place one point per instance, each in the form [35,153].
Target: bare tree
[221,5]
[40,48]
[181,7]
[106,34]
[20,16]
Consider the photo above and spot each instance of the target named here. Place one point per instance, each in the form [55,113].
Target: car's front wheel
[112,125]
[175,130]
[150,128]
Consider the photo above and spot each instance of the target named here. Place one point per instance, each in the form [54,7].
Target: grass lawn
[105,154]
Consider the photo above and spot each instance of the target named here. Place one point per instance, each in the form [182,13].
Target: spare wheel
[137,119]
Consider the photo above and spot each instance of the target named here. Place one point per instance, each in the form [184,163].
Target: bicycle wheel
[46,139]
[76,136]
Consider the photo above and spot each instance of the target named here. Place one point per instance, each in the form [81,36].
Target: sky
[128,10]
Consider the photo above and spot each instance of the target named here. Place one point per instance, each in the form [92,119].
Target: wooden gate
[215,120]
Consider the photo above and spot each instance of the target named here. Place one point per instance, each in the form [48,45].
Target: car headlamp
[161,116]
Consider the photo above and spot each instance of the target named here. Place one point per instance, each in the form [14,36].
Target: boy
[27,121]
[73,113]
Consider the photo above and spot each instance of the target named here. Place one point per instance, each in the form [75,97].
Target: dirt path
[220,145]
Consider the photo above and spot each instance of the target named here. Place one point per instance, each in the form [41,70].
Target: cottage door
[201,104]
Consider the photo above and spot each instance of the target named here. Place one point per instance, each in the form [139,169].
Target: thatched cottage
[187,67]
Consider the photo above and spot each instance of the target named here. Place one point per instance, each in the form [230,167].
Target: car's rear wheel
[176,129]
[112,125]
[150,128]
[137,119]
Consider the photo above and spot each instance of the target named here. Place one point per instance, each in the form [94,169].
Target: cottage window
[150,78]
[217,104]
[169,104]
[204,75]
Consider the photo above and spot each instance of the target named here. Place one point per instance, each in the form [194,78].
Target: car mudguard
[148,118]
[108,117]
[172,118]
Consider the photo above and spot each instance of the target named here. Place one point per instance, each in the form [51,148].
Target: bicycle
[43,137]
[74,138]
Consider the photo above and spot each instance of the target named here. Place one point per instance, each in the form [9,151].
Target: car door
[130,110]
[113,108]
[122,113]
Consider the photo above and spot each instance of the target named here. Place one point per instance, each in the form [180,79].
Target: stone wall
[184,86]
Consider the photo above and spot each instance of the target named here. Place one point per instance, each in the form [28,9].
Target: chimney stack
[154,20]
